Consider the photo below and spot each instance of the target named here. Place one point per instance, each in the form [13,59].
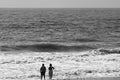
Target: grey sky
[60,3]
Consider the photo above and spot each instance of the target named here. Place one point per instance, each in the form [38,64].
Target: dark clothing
[51,68]
[43,71]
[50,72]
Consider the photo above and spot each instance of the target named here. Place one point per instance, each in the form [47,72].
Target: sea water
[78,42]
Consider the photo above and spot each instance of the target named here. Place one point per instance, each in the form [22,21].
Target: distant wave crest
[47,47]
[105,51]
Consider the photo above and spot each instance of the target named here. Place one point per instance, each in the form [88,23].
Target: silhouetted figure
[43,71]
[50,71]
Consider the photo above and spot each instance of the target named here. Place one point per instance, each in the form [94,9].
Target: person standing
[50,71]
[43,71]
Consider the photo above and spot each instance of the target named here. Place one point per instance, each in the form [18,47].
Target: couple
[43,71]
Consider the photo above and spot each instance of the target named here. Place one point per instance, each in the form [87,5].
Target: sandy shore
[100,78]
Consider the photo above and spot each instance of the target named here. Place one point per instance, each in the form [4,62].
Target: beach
[82,44]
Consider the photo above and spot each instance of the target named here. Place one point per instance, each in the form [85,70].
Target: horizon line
[60,7]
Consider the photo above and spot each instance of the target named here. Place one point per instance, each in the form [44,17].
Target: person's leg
[41,76]
[49,75]
[44,76]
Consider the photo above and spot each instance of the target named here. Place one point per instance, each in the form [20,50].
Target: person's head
[42,64]
[50,65]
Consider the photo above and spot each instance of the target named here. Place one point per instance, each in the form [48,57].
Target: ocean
[79,42]
[68,28]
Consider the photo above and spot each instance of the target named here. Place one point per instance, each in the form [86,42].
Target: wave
[87,40]
[105,51]
[109,51]
[47,47]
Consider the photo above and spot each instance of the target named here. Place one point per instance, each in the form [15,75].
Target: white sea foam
[67,65]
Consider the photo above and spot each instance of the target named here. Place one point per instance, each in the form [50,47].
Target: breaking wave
[47,47]
[105,51]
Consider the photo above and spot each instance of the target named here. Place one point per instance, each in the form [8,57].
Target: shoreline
[94,78]
[101,78]
[91,78]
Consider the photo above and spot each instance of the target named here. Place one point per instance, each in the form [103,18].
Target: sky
[59,3]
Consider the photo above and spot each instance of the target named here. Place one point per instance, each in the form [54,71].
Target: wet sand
[100,78]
